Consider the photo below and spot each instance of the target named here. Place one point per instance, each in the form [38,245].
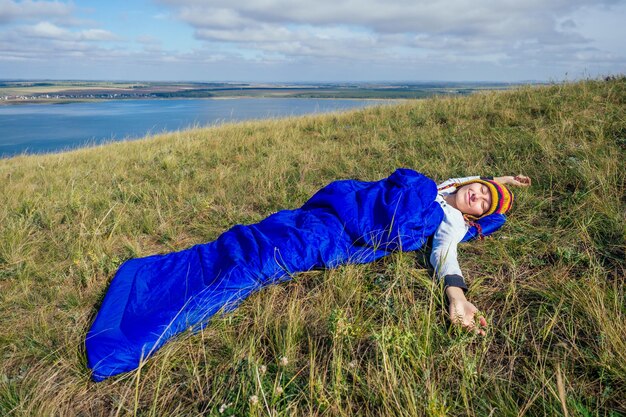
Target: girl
[152,299]
[464,201]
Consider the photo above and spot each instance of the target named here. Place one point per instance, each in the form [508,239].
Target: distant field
[13,92]
[28,88]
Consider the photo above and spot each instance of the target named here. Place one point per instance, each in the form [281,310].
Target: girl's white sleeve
[457,180]
[443,257]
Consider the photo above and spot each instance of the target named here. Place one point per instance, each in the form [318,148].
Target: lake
[41,128]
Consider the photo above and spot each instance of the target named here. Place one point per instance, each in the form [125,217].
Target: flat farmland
[17,92]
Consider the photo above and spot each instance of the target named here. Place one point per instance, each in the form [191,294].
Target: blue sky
[301,40]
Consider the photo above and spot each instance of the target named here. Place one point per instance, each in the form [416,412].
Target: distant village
[60,96]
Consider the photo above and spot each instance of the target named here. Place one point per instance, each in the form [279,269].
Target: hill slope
[370,339]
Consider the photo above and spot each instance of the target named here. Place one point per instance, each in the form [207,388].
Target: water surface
[40,128]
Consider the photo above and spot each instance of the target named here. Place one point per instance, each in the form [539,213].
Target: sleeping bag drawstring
[472,223]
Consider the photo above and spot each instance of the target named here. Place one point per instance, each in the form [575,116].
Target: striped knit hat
[501,197]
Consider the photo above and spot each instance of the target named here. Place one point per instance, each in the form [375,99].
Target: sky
[312,41]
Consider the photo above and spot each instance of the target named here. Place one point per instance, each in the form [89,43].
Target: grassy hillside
[359,340]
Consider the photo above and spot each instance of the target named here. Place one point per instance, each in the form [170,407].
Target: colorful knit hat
[501,197]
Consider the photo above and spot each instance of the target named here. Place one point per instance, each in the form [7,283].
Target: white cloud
[41,31]
[97,35]
[501,32]
[45,30]
[214,18]
[50,31]
[11,10]
[506,18]
[328,39]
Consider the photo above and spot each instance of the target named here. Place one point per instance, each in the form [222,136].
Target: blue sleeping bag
[152,299]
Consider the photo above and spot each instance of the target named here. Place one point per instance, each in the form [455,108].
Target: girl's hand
[519,180]
[465,313]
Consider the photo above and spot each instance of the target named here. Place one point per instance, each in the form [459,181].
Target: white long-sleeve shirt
[450,232]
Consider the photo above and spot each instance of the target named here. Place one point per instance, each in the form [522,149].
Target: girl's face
[474,199]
